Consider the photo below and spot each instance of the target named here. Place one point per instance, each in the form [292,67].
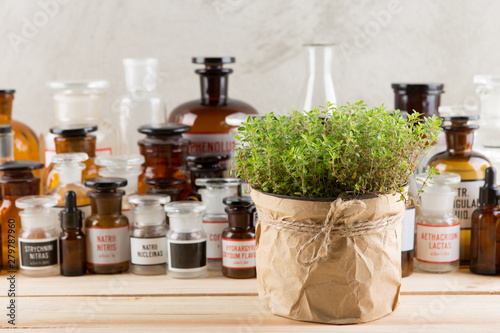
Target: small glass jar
[238,239]
[172,187]
[38,237]
[186,239]
[148,241]
[123,166]
[438,229]
[215,218]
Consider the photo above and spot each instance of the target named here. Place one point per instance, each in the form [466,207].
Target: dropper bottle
[485,229]
[72,239]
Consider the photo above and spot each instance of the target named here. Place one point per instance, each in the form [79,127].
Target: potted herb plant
[329,189]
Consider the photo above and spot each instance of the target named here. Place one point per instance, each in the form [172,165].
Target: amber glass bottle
[459,158]
[164,150]
[107,243]
[485,231]
[205,166]
[207,116]
[17,181]
[166,186]
[238,240]
[422,98]
[72,139]
[72,239]
[26,146]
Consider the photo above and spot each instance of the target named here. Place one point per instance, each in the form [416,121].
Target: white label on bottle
[212,143]
[107,246]
[148,251]
[408,232]
[38,254]
[466,201]
[238,254]
[214,231]
[438,244]
[50,153]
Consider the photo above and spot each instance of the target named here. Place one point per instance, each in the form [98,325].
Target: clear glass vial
[38,237]
[215,219]
[148,235]
[123,166]
[186,239]
[438,229]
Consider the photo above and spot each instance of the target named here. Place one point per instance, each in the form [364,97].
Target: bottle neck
[19,183]
[107,202]
[240,217]
[77,144]
[165,154]
[459,140]
[214,86]
[78,108]
[69,174]
[6,108]
[185,222]
[132,177]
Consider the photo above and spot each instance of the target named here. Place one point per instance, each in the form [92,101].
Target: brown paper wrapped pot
[357,280]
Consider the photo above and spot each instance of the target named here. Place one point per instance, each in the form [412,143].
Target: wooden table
[458,302]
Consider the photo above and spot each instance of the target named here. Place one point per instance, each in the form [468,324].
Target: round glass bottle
[17,181]
[459,158]
[164,150]
[437,228]
[215,218]
[186,239]
[72,139]
[79,103]
[38,237]
[107,230]
[238,240]
[209,131]
[148,235]
[123,166]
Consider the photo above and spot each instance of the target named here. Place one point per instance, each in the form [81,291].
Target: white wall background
[412,41]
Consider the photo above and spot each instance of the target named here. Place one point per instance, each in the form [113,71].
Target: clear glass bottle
[69,167]
[186,239]
[319,87]
[17,181]
[38,237]
[209,131]
[164,150]
[141,105]
[26,146]
[107,229]
[459,158]
[215,218]
[123,166]
[79,103]
[485,230]
[438,229]
[148,235]
[6,143]
[172,187]
[72,239]
[238,239]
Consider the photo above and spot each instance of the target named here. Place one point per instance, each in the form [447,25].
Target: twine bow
[337,219]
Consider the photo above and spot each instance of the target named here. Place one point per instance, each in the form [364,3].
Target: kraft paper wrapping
[359,278]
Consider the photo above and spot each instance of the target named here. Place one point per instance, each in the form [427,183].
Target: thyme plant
[332,151]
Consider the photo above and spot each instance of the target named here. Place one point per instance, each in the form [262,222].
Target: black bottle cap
[418,88]
[206,159]
[5,128]
[214,60]
[7,91]
[105,182]
[74,130]
[488,194]
[165,182]
[71,217]
[20,165]
[164,129]
[238,201]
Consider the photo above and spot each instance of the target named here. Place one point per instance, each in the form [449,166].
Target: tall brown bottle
[459,158]
[26,146]
[209,132]
[17,181]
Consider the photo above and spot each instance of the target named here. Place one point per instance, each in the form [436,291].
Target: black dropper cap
[71,217]
[488,194]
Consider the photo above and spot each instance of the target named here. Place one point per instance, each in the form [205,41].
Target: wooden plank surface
[417,313]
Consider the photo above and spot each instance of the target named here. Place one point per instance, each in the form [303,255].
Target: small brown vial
[72,239]
[238,240]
